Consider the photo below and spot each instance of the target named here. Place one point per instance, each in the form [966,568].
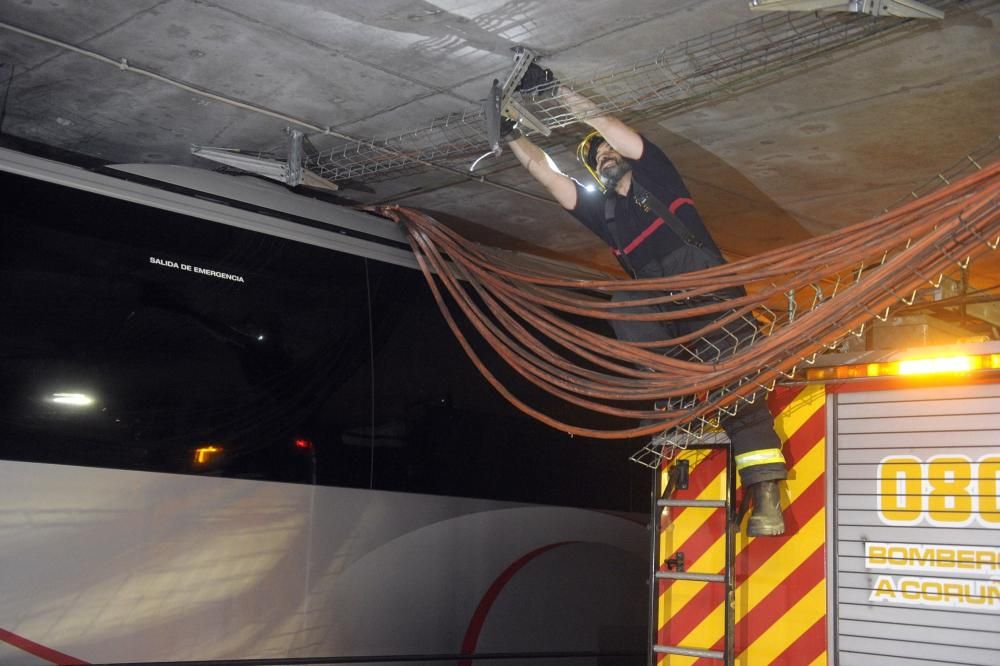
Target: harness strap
[648,201]
[637,241]
[656,224]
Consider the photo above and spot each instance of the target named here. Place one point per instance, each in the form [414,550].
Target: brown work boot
[766,518]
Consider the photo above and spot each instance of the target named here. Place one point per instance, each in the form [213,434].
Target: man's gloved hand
[509,130]
[537,77]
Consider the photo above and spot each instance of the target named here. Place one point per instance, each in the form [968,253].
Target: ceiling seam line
[623,28]
[433,90]
[102,33]
[493,73]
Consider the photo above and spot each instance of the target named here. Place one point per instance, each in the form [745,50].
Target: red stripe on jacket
[654,225]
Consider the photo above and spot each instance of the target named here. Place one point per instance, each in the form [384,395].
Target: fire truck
[892,549]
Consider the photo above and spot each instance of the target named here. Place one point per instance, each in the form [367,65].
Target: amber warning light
[917,367]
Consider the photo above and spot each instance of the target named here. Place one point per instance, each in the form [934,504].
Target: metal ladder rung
[678,480]
[714,504]
[688,575]
[689,652]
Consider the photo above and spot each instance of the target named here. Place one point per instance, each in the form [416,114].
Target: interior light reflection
[204,454]
[72,399]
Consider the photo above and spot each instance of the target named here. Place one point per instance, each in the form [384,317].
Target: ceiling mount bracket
[512,108]
[293,169]
[501,104]
[291,172]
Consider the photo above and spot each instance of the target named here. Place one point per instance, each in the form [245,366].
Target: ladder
[677,479]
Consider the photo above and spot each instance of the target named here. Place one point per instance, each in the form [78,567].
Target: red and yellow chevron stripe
[781,581]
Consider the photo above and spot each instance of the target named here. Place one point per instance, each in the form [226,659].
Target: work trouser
[756,446]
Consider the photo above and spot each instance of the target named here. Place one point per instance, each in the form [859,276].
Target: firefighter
[643,211]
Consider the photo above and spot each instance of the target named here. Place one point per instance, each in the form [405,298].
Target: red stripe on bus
[486,603]
[40,651]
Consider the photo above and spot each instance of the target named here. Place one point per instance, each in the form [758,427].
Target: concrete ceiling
[818,148]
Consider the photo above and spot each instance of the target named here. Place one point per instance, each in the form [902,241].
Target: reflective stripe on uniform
[762,457]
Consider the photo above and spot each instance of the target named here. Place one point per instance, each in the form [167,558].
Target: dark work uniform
[647,248]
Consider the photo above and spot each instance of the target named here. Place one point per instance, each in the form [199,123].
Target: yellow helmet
[586,153]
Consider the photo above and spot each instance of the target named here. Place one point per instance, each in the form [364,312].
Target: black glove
[537,77]
[509,130]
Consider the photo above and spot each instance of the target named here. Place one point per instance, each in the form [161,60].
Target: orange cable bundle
[855,274]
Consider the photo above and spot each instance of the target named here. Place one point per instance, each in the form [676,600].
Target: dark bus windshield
[142,339]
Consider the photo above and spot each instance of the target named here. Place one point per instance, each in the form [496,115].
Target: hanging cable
[837,284]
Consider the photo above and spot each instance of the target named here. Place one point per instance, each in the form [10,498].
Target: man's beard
[612,172]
